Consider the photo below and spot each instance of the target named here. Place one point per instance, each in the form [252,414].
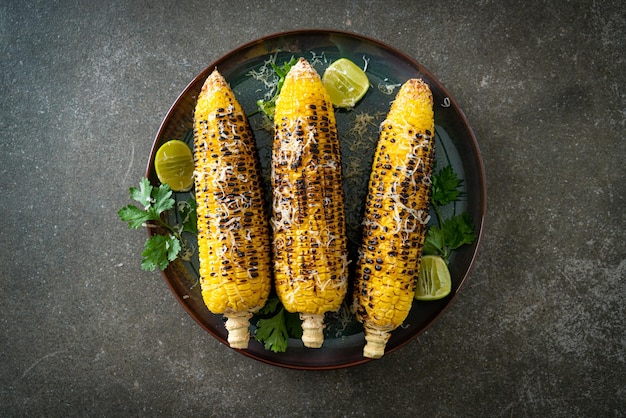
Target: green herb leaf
[450,233]
[276,325]
[273,332]
[143,194]
[162,199]
[459,230]
[445,187]
[269,106]
[135,217]
[159,251]
[271,306]
[293,323]
[434,244]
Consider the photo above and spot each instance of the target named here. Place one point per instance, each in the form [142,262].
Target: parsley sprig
[453,232]
[159,250]
[276,325]
[269,106]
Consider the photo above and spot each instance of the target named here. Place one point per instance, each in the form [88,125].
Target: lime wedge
[433,279]
[174,165]
[345,83]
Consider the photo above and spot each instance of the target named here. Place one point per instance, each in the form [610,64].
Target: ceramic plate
[387,68]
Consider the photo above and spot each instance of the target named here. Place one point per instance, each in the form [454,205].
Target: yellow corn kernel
[308,221]
[396,214]
[233,227]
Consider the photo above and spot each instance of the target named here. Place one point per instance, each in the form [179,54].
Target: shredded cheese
[266,75]
[386,88]
[318,59]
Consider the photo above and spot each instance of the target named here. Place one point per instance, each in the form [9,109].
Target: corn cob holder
[233,228]
[308,221]
[396,213]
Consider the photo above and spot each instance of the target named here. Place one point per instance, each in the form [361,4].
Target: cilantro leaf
[454,232]
[135,217]
[445,187]
[155,201]
[459,230]
[270,307]
[434,244]
[162,199]
[273,332]
[450,233]
[143,194]
[276,325]
[293,323]
[159,251]
[269,106]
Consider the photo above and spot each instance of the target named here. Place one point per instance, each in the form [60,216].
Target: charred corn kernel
[233,227]
[308,220]
[396,214]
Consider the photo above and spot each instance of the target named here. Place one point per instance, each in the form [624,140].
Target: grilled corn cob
[233,228]
[308,221]
[396,214]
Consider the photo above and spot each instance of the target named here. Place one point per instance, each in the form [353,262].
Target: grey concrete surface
[539,330]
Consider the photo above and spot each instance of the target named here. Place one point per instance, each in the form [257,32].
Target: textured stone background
[539,330]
